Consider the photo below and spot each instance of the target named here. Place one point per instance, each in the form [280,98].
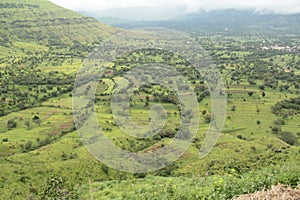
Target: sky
[190,6]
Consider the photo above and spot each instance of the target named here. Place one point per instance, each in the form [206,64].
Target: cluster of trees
[287,107]
[286,136]
[24,86]
[4,40]
[19,5]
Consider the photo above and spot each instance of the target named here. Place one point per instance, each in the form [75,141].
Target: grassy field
[245,145]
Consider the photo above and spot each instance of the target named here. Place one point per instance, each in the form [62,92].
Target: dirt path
[279,192]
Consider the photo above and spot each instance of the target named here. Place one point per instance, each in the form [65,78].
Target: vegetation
[42,156]
[213,187]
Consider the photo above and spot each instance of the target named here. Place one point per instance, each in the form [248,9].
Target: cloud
[102,4]
[279,6]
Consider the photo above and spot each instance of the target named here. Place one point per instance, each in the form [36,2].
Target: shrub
[275,129]
[279,122]
[262,87]
[58,188]
[233,108]
[11,124]
[241,137]
[5,140]
[207,118]
[288,137]
[167,133]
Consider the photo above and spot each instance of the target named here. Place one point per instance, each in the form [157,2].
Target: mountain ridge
[218,20]
[43,21]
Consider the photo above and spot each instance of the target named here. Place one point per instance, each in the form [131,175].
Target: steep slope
[46,23]
[39,38]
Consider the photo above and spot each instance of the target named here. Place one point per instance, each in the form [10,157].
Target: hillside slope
[46,23]
[37,39]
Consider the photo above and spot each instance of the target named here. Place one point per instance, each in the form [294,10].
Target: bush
[241,137]
[209,187]
[288,137]
[11,124]
[262,87]
[167,133]
[233,108]
[5,140]
[279,122]
[207,118]
[276,129]
[58,188]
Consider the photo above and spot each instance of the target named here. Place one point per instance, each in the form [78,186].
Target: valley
[43,46]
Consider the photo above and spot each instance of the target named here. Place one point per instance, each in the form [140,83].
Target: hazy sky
[280,6]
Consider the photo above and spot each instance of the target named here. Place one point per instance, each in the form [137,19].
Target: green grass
[44,18]
[212,187]
[69,158]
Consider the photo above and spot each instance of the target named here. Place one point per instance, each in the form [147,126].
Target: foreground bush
[214,187]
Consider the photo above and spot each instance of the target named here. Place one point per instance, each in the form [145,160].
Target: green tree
[11,124]
[27,124]
[233,108]
[288,137]
[207,118]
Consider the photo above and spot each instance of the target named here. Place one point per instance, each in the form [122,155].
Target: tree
[11,124]
[276,129]
[207,118]
[147,98]
[5,140]
[36,119]
[27,124]
[233,108]
[28,146]
[288,137]
[262,87]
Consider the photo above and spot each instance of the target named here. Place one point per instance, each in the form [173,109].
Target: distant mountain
[229,20]
[138,13]
[44,22]
[114,20]
[242,20]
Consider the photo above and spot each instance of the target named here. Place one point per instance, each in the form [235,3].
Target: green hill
[46,23]
[38,39]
